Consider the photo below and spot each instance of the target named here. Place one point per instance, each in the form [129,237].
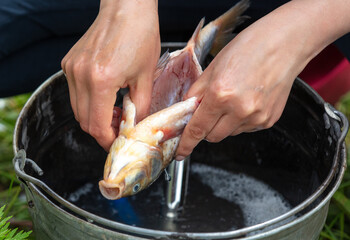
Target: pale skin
[120,49]
[244,89]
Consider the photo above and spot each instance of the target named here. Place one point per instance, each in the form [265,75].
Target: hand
[120,49]
[246,86]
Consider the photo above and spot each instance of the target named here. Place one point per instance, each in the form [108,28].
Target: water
[84,190]
[258,201]
[217,200]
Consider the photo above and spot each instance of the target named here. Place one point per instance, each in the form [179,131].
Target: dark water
[202,212]
[223,202]
[288,163]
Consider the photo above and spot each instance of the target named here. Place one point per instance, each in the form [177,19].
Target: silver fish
[143,150]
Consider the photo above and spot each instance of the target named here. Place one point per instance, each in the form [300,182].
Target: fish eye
[136,188]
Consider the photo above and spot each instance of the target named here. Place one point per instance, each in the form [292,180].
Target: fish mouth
[111,191]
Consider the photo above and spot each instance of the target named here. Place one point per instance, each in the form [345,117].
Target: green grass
[6,232]
[337,226]
[11,194]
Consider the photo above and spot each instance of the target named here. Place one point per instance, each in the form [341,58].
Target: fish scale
[143,150]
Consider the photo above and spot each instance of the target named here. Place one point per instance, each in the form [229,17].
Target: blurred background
[36,34]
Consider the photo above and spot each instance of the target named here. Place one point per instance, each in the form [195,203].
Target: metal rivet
[30,204]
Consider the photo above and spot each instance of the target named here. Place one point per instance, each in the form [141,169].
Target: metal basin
[286,175]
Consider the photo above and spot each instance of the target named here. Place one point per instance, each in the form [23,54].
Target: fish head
[131,166]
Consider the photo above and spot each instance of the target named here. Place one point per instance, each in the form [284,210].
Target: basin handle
[23,160]
[340,117]
[19,162]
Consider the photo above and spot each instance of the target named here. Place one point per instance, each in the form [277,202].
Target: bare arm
[121,48]
[246,86]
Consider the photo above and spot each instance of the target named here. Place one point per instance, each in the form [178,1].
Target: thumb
[141,95]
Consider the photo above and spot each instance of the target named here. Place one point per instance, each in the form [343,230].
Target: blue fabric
[24,22]
[36,34]
[34,37]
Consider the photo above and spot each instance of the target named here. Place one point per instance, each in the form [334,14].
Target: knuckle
[265,120]
[196,132]
[96,132]
[221,95]
[76,66]
[213,138]
[67,65]
[183,151]
[85,127]
[66,61]
[262,119]
[251,107]
[245,110]
[273,119]
[100,134]
[268,119]
[76,118]
[63,63]
[96,74]
[99,78]
[269,124]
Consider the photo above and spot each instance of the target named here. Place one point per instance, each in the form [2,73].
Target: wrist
[137,16]
[124,7]
[313,24]
[299,30]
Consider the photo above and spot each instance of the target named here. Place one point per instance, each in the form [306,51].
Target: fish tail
[226,23]
[193,42]
[216,34]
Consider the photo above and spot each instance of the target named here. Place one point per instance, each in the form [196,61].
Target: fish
[143,150]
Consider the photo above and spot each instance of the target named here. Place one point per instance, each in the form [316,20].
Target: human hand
[120,49]
[246,86]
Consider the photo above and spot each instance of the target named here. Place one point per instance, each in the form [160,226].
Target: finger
[78,77]
[246,129]
[259,121]
[226,125]
[82,105]
[201,123]
[101,116]
[141,95]
[71,89]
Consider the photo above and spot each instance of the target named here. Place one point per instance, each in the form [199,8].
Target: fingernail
[179,158]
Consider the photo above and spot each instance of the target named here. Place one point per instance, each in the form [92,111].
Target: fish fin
[162,62]
[195,36]
[226,23]
[216,34]
[128,117]
[165,124]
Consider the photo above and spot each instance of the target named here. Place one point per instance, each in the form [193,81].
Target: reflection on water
[217,200]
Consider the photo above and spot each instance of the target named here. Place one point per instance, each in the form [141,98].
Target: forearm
[248,82]
[290,36]
[327,20]
[128,7]
[313,24]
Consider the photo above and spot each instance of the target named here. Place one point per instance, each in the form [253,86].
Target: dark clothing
[36,34]
[34,37]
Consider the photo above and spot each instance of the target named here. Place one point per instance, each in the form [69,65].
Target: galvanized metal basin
[302,157]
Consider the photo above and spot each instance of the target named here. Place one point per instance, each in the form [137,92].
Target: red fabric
[329,74]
